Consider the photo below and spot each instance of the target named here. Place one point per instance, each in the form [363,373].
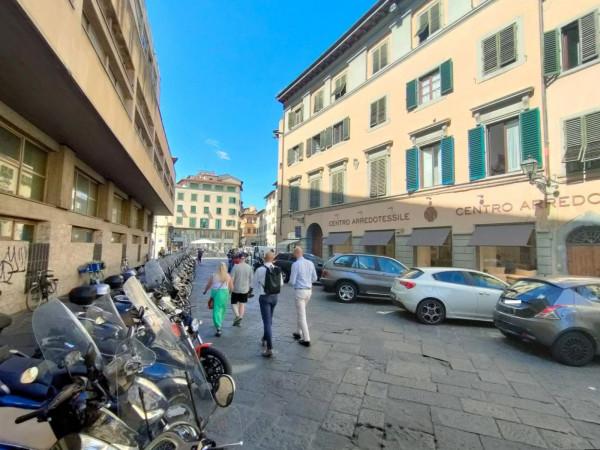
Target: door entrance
[583,251]
[314,240]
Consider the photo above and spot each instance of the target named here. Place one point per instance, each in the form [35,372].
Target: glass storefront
[432,247]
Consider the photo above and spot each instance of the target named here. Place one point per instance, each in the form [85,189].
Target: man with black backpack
[267,285]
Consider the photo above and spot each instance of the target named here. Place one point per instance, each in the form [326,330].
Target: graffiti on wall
[14,261]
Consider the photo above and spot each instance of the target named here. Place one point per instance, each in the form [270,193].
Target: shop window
[435,256]
[85,195]
[509,263]
[82,235]
[22,166]
[16,230]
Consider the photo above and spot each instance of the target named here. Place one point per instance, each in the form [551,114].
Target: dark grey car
[352,275]
[562,313]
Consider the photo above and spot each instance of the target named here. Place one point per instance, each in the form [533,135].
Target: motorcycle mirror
[225,390]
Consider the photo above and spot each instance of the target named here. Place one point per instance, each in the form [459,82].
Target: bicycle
[41,289]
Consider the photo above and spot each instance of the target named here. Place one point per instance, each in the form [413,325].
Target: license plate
[512,302]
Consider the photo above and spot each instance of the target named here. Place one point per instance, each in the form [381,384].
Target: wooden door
[584,260]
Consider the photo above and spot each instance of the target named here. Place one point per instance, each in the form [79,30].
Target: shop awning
[377,237]
[502,235]
[337,238]
[287,242]
[430,237]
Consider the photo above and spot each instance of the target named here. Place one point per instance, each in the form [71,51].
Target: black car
[285,261]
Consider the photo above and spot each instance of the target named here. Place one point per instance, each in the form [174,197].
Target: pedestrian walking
[267,285]
[220,286]
[302,276]
[241,276]
[200,253]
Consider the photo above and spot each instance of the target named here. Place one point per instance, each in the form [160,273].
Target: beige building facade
[207,208]
[84,160]
[450,132]
[270,219]
[249,226]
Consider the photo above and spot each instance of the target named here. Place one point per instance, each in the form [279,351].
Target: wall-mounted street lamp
[544,184]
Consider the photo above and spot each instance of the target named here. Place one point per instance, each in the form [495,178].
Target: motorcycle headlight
[29,375]
[195,325]
[154,405]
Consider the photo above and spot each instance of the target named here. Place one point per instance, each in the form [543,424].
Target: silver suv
[352,275]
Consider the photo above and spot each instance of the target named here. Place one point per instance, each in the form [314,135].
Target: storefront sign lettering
[402,217]
[507,207]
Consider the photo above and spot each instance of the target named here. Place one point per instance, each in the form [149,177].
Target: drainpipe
[543,93]
[280,134]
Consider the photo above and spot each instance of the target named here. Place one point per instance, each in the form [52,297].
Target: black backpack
[272,280]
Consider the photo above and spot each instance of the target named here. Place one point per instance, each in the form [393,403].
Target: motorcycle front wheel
[215,363]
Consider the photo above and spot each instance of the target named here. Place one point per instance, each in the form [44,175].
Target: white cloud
[212,142]
[223,155]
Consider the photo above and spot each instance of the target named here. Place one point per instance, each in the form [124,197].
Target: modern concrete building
[248,226]
[84,160]
[207,208]
[450,132]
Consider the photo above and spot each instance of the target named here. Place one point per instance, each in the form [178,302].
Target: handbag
[211,303]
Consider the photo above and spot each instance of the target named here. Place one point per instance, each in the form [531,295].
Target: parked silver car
[562,313]
[352,275]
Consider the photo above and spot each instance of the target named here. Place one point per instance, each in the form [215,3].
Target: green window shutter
[447,149]
[435,18]
[531,140]
[308,147]
[412,169]
[489,49]
[381,110]
[551,53]
[301,151]
[373,119]
[328,137]
[383,55]
[592,137]
[375,60]
[477,153]
[573,139]
[315,193]
[290,156]
[346,129]
[411,95]
[446,76]
[507,45]
[588,33]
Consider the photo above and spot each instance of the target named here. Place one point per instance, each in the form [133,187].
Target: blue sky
[221,65]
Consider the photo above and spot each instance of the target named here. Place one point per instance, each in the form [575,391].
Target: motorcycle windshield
[154,274]
[58,333]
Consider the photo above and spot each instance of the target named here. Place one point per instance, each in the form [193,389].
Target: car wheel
[573,348]
[431,312]
[286,277]
[346,291]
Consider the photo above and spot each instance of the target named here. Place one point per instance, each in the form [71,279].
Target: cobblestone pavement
[375,378]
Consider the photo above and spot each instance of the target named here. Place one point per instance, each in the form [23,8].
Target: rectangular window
[219,211]
[194,197]
[207,198]
[193,209]
[295,154]
[341,131]
[431,165]
[16,230]
[315,191]
[179,220]
[85,195]
[117,215]
[194,186]
[203,223]
[378,176]
[317,143]
[207,187]
[219,188]
[180,208]
[232,211]
[135,239]
[337,186]
[499,50]
[219,199]
[582,147]
[380,57]
[218,224]
[378,112]
[570,45]
[429,22]
[231,189]
[180,196]
[339,87]
[318,101]
[295,116]
[430,87]
[192,222]
[22,166]
[117,238]
[230,223]
[503,147]
[232,200]
[295,196]
[206,210]
[82,235]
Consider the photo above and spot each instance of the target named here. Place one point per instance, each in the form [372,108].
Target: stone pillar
[106,193]
[127,212]
[463,255]
[404,252]
[543,241]
[61,165]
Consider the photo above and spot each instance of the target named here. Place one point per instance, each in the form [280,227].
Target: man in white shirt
[302,277]
[267,298]
[241,275]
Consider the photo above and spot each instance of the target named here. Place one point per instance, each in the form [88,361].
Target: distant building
[261,237]
[206,210]
[270,218]
[248,226]
[84,159]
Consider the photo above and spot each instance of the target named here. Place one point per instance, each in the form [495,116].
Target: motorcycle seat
[5,321]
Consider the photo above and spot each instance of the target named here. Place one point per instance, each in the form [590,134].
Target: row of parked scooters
[126,370]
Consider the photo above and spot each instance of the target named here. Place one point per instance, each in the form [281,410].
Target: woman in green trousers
[220,286]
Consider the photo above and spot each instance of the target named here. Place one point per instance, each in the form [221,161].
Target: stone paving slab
[384,381]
